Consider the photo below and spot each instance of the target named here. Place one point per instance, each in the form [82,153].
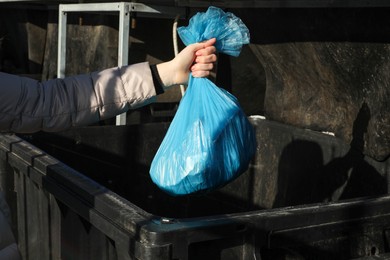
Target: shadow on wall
[321,64]
[304,179]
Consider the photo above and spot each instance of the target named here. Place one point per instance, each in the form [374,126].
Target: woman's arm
[27,105]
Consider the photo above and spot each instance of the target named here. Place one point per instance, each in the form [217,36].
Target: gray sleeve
[27,105]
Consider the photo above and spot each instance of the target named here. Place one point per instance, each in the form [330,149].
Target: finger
[206,51]
[206,59]
[200,74]
[202,67]
[203,45]
[210,42]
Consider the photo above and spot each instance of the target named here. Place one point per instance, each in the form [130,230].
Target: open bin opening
[292,167]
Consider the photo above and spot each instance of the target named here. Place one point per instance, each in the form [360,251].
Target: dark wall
[323,66]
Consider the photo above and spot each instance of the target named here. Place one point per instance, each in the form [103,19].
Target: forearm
[166,72]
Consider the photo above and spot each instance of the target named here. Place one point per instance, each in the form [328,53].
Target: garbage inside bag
[210,141]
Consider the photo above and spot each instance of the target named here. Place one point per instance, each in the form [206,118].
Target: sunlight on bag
[210,141]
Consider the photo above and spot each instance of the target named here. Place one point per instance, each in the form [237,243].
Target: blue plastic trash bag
[210,141]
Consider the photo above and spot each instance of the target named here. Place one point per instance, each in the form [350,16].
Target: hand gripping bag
[210,141]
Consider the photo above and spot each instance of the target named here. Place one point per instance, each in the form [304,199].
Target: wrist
[165,72]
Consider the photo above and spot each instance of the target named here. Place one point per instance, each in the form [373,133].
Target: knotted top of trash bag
[229,30]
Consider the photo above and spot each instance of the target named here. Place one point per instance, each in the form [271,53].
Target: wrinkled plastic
[210,141]
[231,33]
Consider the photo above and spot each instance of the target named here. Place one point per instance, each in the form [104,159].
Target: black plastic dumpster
[86,194]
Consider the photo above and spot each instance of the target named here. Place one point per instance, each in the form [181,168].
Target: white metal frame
[124,9]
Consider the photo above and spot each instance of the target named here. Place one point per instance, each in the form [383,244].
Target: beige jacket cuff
[138,84]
